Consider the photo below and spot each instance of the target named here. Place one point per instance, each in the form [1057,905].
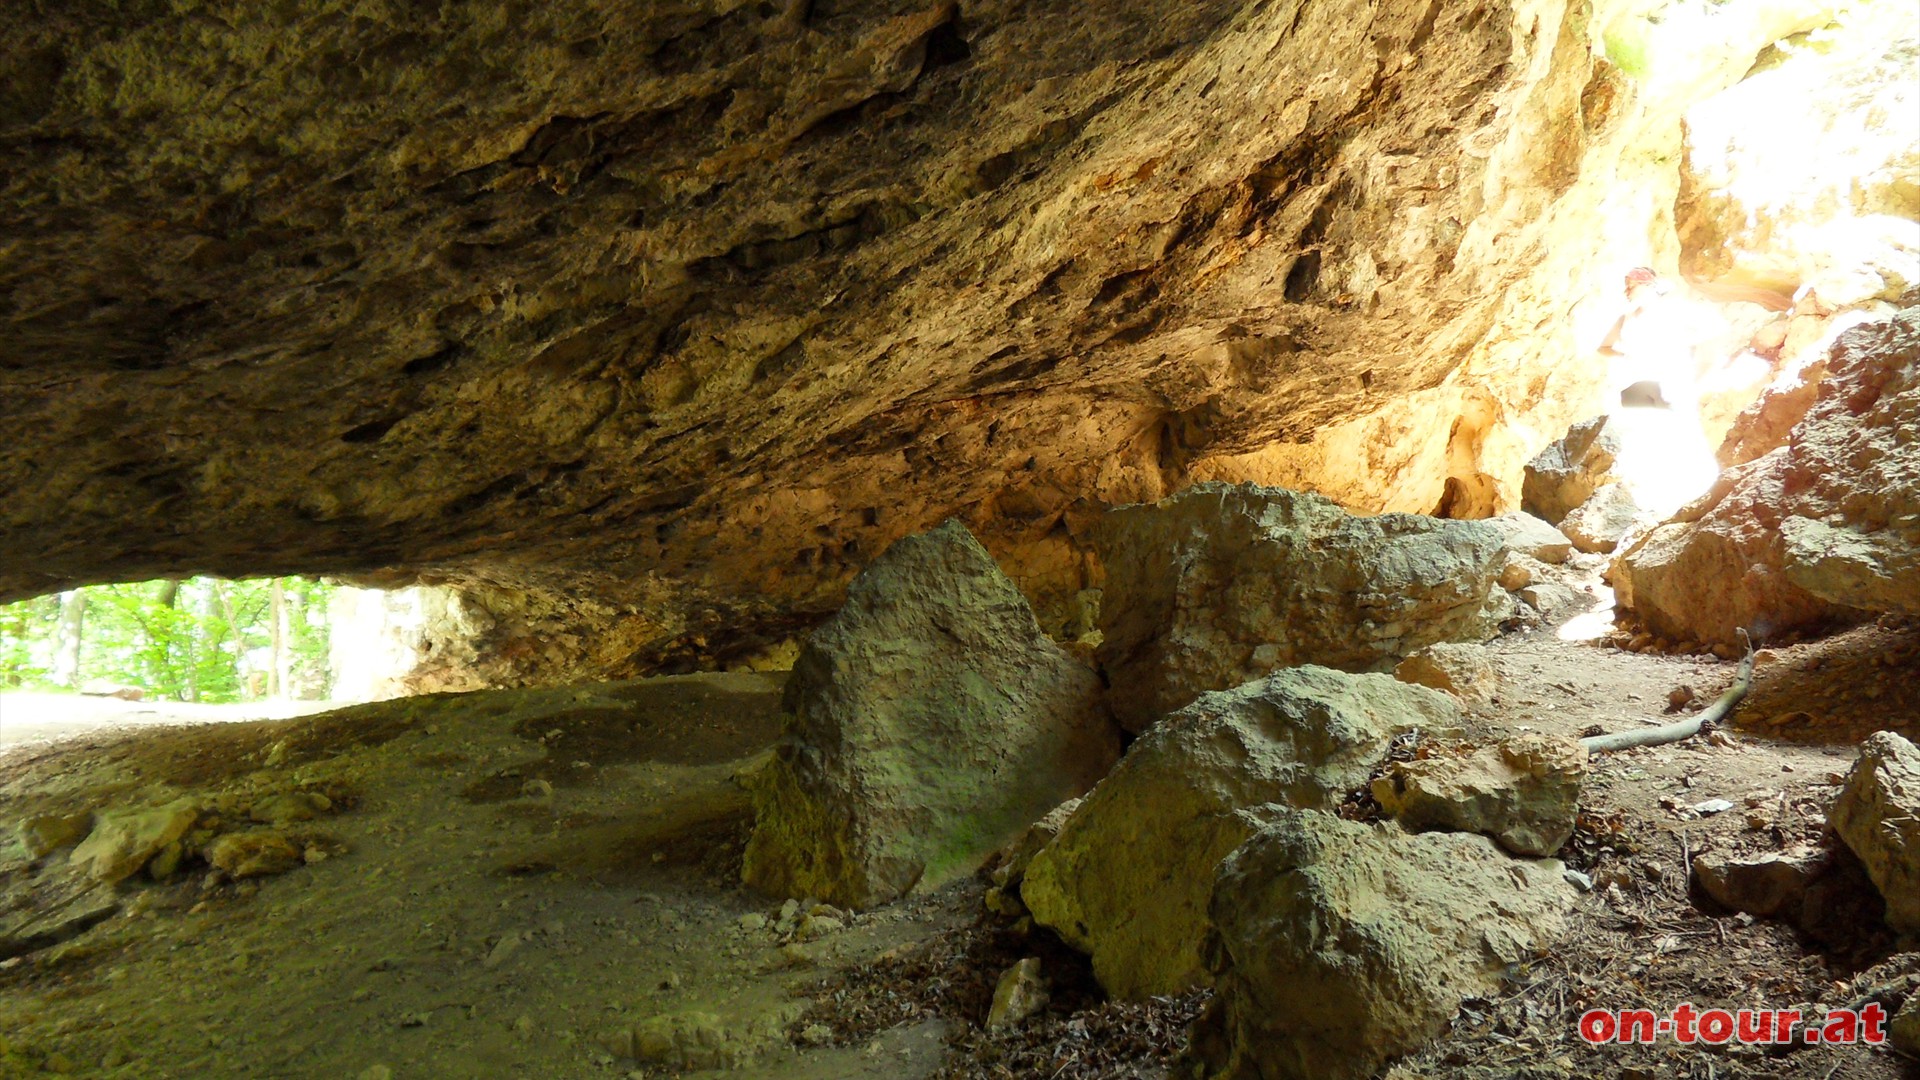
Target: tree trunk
[161,676]
[66,651]
[282,656]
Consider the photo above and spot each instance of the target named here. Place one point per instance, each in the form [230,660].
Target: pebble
[502,949]
[753,920]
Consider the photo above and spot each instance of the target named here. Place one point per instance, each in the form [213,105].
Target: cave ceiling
[687,309]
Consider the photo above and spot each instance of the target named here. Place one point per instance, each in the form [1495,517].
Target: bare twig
[1684,729]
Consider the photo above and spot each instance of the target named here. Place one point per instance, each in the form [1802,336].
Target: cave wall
[648,325]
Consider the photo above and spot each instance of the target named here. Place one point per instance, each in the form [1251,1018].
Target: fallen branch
[1684,729]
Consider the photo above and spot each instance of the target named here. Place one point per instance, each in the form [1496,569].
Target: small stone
[254,854]
[1021,992]
[1766,885]
[1578,880]
[818,926]
[1712,806]
[816,1035]
[288,807]
[753,921]
[536,789]
[502,949]
[165,862]
[376,1072]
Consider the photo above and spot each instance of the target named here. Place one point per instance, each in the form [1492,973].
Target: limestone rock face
[1567,473]
[1878,815]
[1127,878]
[1814,532]
[932,721]
[663,319]
[1221,584]
[1338,945]
[1523,792]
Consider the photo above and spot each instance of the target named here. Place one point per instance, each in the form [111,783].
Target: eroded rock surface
[1127,879]
[1221,584]
[664,319]
[1814,532]
[1567,473]
[1878,815]
[931,723]
[1465,671]
[1339,945]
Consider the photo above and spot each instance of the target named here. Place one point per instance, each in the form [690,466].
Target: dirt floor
[540,884]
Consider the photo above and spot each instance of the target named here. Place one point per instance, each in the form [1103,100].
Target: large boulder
[1127,878]
[1878,815]
[1816,532]
[1567,473]
[1222,584]
[931,722]
[1523,792]
[1338,945]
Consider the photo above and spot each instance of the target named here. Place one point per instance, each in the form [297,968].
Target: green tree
[198,639]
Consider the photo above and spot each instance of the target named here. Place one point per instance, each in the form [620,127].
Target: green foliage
[202,639]
[1627,45]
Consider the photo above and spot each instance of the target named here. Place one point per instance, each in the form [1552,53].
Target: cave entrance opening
[199,649]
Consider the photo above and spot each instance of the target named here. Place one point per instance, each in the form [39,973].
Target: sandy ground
[29,717]
[508,885]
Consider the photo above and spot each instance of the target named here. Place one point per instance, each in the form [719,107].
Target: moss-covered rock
[1127,879]
[932,721]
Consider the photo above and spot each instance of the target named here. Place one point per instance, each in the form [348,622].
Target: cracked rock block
[1878,815]
[1464,671]
[1527,535]
[123,840]
[931,721]
[1567,473]
[1523,792]
[1598,525]
[1767,885]
[1126,880]
[1222,584]
[1338,945]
